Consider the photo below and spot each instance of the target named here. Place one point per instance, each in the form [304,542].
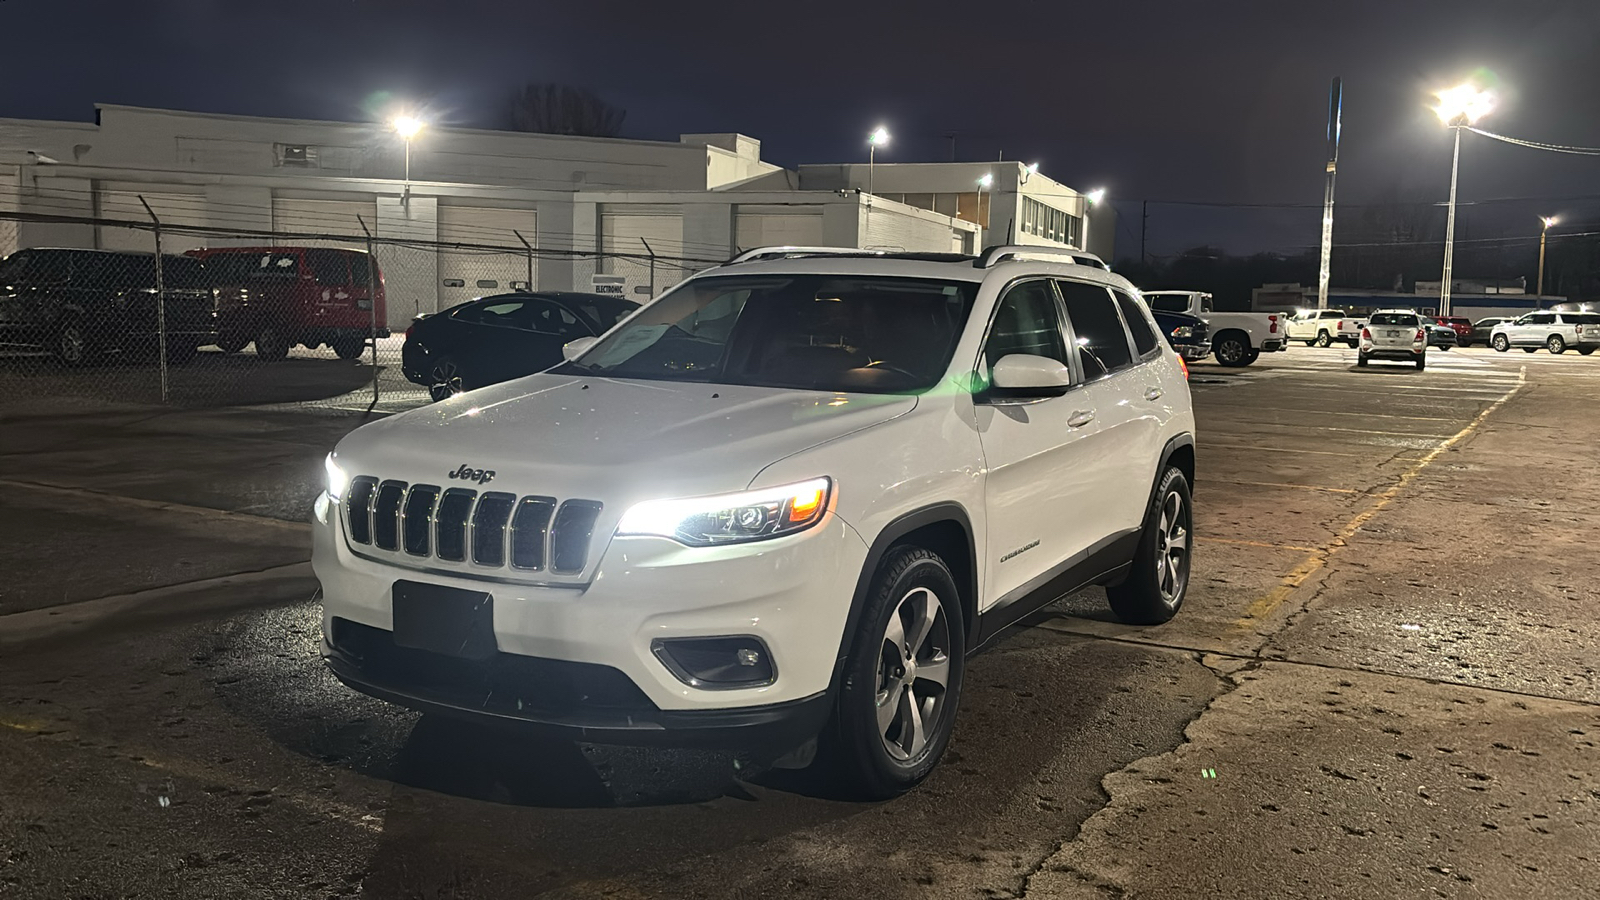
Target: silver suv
[1394,334]
[1555,331]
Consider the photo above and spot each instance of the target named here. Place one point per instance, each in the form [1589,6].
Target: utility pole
[1144,228]
[1335,104]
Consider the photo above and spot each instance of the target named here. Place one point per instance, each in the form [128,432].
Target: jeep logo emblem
[468,473]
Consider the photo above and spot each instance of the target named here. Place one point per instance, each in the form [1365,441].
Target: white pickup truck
[1237,338]
[1321,327]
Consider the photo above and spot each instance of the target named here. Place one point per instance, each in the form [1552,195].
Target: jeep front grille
[494,528]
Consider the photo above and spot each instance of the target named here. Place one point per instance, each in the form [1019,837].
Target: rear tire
[1323,339]
[1530,349]
[1361,360]
[1556,344]
[232,343]
[902,680]
[1501,343]
[1585,351]
[1155,587]
[272,345]
[1422,361]
[348,347]
[72,347]
[1233,350]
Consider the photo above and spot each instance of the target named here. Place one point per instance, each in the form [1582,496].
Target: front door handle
[1152,393]
[1080,418]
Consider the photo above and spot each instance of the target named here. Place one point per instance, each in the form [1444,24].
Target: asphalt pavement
[1383,684]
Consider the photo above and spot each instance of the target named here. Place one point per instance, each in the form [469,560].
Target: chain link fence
[205,317]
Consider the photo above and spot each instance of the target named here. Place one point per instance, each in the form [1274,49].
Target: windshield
[871,334]
[1407,319]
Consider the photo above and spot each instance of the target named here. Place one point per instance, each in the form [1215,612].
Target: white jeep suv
[778,507]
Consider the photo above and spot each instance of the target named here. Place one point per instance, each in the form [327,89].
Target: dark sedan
[494,339]
[1189,335]
[1441,336]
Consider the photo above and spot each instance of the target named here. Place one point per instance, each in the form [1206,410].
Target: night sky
[1216,101]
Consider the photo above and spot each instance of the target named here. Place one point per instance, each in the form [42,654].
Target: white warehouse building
[569,199]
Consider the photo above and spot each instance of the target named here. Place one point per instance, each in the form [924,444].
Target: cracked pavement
[1383,684]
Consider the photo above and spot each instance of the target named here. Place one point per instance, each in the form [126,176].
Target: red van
[282,296]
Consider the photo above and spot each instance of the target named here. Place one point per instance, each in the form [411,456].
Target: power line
[1537,145]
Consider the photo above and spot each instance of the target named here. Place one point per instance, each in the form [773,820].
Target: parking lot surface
[1382,684]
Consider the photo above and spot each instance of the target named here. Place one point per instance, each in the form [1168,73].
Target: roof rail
[994,255]
[792,252]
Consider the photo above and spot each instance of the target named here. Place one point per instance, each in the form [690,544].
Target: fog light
[717,662]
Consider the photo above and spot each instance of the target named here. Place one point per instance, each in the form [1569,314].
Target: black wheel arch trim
[886,539]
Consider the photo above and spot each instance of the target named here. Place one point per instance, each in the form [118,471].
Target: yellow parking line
[1265,544]
[1318,558]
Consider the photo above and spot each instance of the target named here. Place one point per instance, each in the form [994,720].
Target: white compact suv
[1394,334]
[778,507]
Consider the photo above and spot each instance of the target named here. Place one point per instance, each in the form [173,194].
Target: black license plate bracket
[445,620]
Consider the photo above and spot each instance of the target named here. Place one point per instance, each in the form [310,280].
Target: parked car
[1321,327]
[1483,329]
[1555,331]
[494,339]
[789,497]
[1461,325]
[1441,336]
[1394,334]
[1189,335]
[278,297]
[1237,338]
[85,305]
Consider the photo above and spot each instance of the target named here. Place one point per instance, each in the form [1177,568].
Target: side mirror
[575,348]
[1029,375]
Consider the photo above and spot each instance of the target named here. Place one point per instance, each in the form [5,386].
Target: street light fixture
[407,127]
[1093,198]
[878,138]
[984,183]
[1548,221]
[1458,107]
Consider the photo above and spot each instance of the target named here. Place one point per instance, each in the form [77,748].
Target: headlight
[1183,331]
[337,479]
[731,518]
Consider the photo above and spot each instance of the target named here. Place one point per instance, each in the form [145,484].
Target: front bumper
[1193,351]
[578,658]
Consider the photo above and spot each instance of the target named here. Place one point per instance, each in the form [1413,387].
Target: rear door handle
[1152,393]
[1080,418]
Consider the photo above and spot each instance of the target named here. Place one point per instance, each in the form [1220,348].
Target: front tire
[272,345]
[1352,344]
[1556,344]
[1155,587]
[1530,349]
[902,680]
[72,343]
[1501,343]
[445,380]
[1585,351]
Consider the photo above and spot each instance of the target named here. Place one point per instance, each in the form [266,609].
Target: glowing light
[1463,104]
[407,126]
[807,501]
[987,180]
[1548,220]
[337,479]
[1095,196]
[879,137]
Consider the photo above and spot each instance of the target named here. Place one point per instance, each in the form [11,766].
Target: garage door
[8,204]
[627,229]
[758,226]
[171,207]
[335,217]
[465,274]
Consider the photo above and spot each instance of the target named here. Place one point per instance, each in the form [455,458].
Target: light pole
[878,138]
[1458,108]
[1548,221]
[984,183]
[1093,198]
[407,127]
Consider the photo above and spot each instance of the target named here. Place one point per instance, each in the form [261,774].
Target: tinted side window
[1027,321]
[1144,339]
[1169,302]
[329,267]
[549,318]
[1102,344]
[507,313]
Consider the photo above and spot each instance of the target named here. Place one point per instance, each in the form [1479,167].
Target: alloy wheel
[913,674]
[445,381]
[1172,547]
[70,345]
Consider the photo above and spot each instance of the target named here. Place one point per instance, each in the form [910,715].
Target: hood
[611,440]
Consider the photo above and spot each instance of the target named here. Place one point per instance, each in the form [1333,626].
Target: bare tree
[564,109]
